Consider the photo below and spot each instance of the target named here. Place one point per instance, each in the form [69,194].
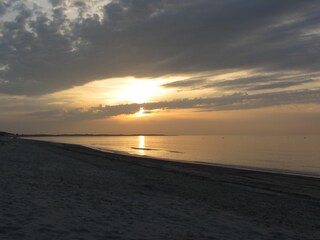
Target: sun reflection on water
[141,145]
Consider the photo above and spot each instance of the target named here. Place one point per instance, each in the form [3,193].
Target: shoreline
[67,191]
[185,167]
[237,167]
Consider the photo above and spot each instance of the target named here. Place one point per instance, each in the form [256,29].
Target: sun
[139,91]
[141,112]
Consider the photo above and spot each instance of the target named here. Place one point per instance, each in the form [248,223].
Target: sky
[160,66]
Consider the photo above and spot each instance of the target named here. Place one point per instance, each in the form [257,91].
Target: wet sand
[61,191]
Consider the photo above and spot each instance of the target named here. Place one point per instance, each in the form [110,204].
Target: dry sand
[60,191]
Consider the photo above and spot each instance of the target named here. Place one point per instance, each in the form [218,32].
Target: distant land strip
[88,135]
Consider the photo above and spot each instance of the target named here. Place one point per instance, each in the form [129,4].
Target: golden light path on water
[141,145]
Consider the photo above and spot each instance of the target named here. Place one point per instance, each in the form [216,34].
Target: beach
[65,191]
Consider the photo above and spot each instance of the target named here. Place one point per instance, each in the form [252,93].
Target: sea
[285,154]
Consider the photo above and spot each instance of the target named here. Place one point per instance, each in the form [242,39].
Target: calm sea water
[291,154]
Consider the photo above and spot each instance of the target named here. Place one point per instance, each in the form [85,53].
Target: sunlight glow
[139,91]
[140,113]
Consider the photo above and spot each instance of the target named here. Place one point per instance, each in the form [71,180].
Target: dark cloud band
[237,101]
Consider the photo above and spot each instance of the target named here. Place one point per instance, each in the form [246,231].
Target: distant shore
[88,135]
[65,191]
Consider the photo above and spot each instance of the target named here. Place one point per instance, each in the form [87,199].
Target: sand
[60,191]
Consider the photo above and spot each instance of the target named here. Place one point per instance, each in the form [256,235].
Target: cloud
[281,85]
[239,101]
[3,8]
[185,83]
[253,83]
[80,4]
[47,51]
[56,2]
[242,82]
[270,82]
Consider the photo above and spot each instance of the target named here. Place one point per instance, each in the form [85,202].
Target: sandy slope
[58,191]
